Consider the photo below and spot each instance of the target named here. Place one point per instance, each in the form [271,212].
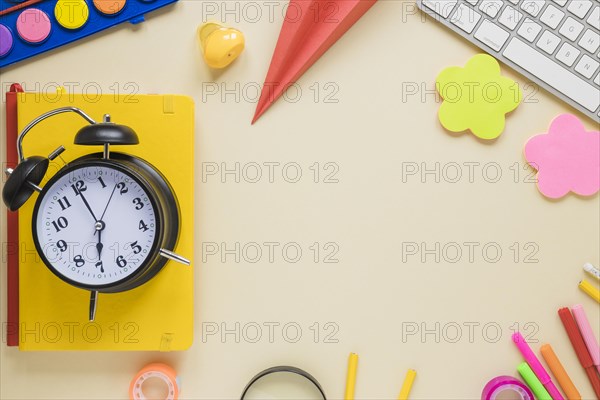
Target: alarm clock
[106,222]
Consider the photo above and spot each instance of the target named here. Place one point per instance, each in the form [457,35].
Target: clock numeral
[142,226]
[138,203]
[78,187]
[121,262]
[136,247]
[62,246]
[60,223]
[122,187]
[101,182]
[79,261]
[99,264]
[64,203]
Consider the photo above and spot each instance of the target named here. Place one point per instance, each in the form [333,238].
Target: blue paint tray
[48,24]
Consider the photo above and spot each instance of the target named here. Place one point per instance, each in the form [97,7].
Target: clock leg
[93,303]
[34,186]
[173,256]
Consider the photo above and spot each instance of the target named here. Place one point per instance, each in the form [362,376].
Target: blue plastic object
[21,49]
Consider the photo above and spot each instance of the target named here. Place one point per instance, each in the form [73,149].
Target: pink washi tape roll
[156,370]
[506,383]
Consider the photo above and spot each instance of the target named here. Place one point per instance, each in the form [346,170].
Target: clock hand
[109,199]
[99,226]
[87,205]
[99,245]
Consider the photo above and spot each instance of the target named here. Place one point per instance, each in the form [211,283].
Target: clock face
[96,225]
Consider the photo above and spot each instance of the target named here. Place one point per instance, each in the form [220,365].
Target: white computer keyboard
[555,43]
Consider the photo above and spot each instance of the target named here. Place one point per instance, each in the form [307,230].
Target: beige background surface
[370,135]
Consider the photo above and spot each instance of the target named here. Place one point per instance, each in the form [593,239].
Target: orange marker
[566,384]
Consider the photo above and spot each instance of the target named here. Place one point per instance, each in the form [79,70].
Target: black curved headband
[283,368]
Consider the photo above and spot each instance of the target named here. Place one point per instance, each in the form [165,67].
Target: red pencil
[12,223]
[580,349]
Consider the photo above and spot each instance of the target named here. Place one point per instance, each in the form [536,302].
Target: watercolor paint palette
[32,27]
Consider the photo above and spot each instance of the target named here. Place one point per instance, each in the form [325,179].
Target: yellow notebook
[157,316]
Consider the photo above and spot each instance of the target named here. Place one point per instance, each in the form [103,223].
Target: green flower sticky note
[476,97]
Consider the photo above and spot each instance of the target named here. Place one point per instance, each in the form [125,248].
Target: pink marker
[588,334]
[536,366]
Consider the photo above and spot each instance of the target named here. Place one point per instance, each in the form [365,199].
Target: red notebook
[12,225]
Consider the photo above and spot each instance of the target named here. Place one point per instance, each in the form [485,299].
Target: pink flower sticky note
[476,97]
[567,158]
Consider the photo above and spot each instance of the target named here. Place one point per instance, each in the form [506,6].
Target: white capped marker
[590,269]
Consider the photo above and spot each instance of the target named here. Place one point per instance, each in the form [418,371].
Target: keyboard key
[529,30]
[553,74]
[510,17]
[552,16]
[579,7]
[491,7]
[597,80]
[590,41]
[560,2]
[532,7]
[594,18]
[440,7]
[465,18]
[587,66]
[491,35]
[571,29]
[548,42]
[567,54]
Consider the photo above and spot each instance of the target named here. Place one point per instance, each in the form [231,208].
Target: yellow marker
[407,385]
[590,290]
[220,45]
[351,377]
